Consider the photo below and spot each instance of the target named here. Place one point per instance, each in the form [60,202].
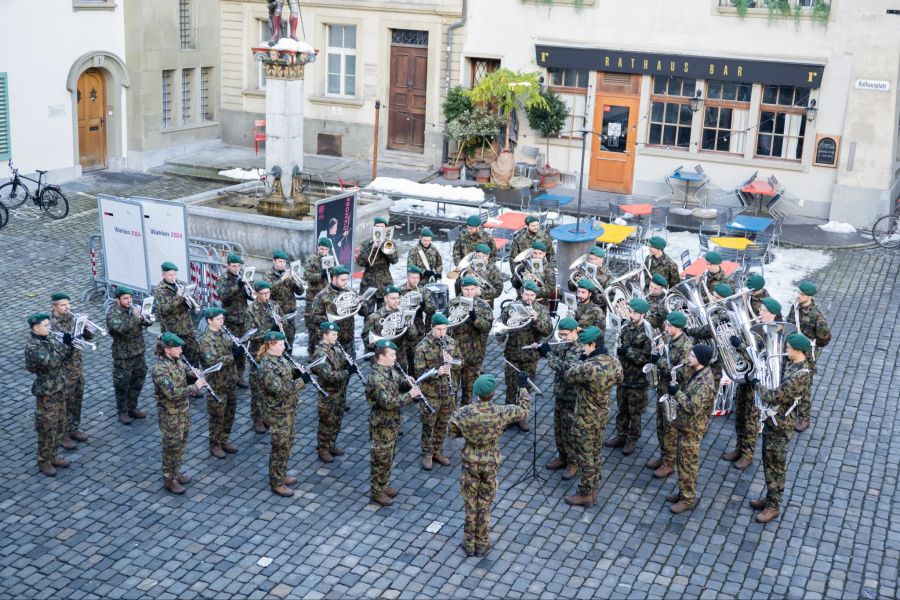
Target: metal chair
[615,212]
[745,200]
[775,229]
[685,259]
[724,216]
[529,161]
[730,254]
[453,233]
[660,215]
[755,255]
[704,243]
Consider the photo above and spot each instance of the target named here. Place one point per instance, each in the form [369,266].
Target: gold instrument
[247,279]
[459,312]
[382,241]
[346,304]
[518,316]
[394,325]
[523,255]
[187,293]
[658,344]
[670,406]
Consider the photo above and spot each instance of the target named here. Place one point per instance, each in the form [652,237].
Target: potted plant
[456,103]
[471,129]
[549,121]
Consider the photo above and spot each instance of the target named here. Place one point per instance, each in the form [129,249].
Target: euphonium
[621,291]
[459,312]
[347,304]
[727,317]
[530,270]
[519,316]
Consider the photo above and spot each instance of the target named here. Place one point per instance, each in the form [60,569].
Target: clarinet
[351,361]
[199,375]
[444,356]
[237,342]
[413,383]
[303,369]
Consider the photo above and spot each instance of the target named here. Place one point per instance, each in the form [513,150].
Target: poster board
[335,217]
[165,236]
[827,150]
[122,237]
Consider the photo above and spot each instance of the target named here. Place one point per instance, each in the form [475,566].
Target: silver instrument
[571,302]
[581,268]
[767,361]
[415,385]
[296,273]
[670,408]
[243,342]
[247,279]
[305,369]
[382,241]
[273,314]
[353,362]
[328,263]
[78,327]
[199,374]
[687,298]
[346,304]
[530,269]
[393,326]
[411,300]
[187,293]
[731,317]
[438,295]
[620,291]
[89,325]
[459,312]
[472,266]
[537,345]
[449,360]
[147,310]
[518,317]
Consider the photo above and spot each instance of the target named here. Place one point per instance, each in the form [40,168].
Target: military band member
[234,296]
[472,235]
[656,297]
[545,277]
[126,328]
[490,273]
[333,375]
[757,286]
[481,424]
[705,332]
[317,279]
[795,383]
[174,312]
[284,293]
[73,371]
[560,358]
[674,356]
[527,236]
[812,323]
[474,330]
[631,395]
[526,360]
[660,263]
[373,325]
[715,274]
[171,380]
[593,378]
[426,257]
[217,347]
[694,400]
[262,315]
[423,312]
[377,271]
[383,393]
[436,351]
[589,313]
[324,304]
[45,356]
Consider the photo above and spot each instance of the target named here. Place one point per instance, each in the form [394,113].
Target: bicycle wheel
[4,216]
[13,195]
[54,203]
[886,231]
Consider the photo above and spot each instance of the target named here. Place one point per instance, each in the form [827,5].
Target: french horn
[346,304]
[393,326]
[411,300]
[459,312]
[518,317]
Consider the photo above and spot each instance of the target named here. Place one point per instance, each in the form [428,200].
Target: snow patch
[292,45]
[425,190]
[243,174]
[837,227]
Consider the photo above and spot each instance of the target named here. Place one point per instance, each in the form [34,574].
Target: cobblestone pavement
[105,528]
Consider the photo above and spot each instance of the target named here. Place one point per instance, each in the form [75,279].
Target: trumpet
[89,325]
[247,279]
[77,342]
[187,293]
[147,310]
[382,241]
[415,385]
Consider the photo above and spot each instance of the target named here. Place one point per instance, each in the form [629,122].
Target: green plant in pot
[472,130]
[549,121]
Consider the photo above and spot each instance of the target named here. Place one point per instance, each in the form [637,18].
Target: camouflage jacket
[333,374]
[593,379]
[280,391]
[658,313]
[474,332]
[522,241]
[695,401]
[66,323]
[633,339]
[377,273]
[547,283]
[316,278]
[534,332]
[424,312]
[323,305]
[262,320]
[710,280]
[435,262]
[756,299]
[44,356]
[466,243]
[215,347]
[174,314]
[590,313]
[284,291]
[561,358]
[429,356]
[127,332]
[495,278]
[664,266]
[482,423]
[385,398]
[795,381]
[679,351]
[233,296]
[373,325]
[170,381]
[813,325]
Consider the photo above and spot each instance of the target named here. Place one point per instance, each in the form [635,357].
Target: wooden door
[91,99]
[612,153]
[406,107]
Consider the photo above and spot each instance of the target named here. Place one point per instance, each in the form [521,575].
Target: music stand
[535,473]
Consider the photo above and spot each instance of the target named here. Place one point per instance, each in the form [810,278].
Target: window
[782,122]
[670,111]
[206,111]
[187,75]
[569,78]
[184,24]
[571,85]
[5,142]
[264,35]
[481,67]
[725,117]
[341,61]
[167,98]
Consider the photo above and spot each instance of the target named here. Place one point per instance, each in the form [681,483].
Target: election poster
[165,236]
[122,236]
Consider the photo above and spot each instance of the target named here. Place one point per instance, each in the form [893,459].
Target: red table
[509,220]
[636,209]
[759,189]
[699,266]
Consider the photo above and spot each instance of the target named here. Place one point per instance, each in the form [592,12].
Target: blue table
[749,224]
[557,199]
[687,178]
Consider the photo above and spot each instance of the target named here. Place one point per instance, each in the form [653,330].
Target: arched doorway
[91,99]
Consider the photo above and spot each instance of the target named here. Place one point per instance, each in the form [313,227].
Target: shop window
[725,117]
[670,111]
[782,122]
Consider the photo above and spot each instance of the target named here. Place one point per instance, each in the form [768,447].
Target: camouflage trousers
[174,426]
[469,372]
[384,441]
[774,452]
[667,435]
[281,427]
[512,388]
[688,461]
[290,330]
[478,486]
[746,420]
[74,399]
[434,426]
[128,381]
[331,415]
[49,422]
[804,406]
[240,362]
[221,415]
[314,334]
[631,402]
[588,445]
[257,410]
[563,428]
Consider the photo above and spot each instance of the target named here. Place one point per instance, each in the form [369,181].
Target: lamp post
[584,134]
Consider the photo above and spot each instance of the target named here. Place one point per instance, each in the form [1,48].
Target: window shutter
[5,140]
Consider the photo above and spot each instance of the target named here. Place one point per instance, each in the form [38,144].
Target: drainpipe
[450,29]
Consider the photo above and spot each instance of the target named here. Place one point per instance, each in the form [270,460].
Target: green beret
[280,254]
[426,232]
[587,284]
[234,258]
[773,306]
[590,335]
[262,285]
[170,340]
[391,289]
[212,312]
[340,270]
[469,281]
[57,296]
[167,266]
[123,291]
[639,305]
[329,326]
[808,288]
[531,219]
[439,319]
[324,242]
[598,251]
[714,258]
[37,318]
[484,386]
[274,336]
[756,282]
[415,269]
[800,342]
[657,242]
[531,286]
[483,248]
[568,324]
[723,289]
[537,245]
[677,319]
[659,280]
[385,344]
[381,221]
[474,221]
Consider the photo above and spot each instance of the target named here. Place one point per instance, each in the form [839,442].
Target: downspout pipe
[449,51]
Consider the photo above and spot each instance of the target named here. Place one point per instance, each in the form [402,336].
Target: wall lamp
[696,101]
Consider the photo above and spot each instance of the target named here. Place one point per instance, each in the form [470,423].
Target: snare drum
[438,295]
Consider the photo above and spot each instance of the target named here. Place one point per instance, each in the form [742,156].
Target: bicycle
[4,216]
[49,198]
[886,230]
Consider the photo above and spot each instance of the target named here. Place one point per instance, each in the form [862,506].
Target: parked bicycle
[4,216]
[48,197]
[886,231]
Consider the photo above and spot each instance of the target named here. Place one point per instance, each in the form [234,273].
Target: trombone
[382,241]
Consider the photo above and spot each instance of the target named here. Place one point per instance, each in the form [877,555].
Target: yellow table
[734,243]
[615,234]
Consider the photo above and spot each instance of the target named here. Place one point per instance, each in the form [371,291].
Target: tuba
[518,317]
[382,241]
[459,312]
[767,361]
[729,317]
[346,304]
[687,298]
[621,291]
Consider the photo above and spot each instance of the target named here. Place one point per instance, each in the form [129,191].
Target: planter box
[450,171]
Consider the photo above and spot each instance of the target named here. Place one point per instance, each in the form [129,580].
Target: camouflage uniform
[493,276]
[666,433]
[233,296]
[795,383]
[334,376]
[523,240]
[592,379]
[377,273]
[45,357]
[404,342]
[631,395]
[435,262]
[746,420]
[560,359]
[756,299]
[215,347]
[173,392]
[475,333]
[438,391]
[466,242]
[695,403]
[525,360]
[73,374]
[665,266]
[260,319]
[280,392]
[317,280]
[129,367]
[711,280]
[324,304]
[175,316]
[591,314]
[481,424]
[284,294]
[384,397]
[658,313]
[547,285]
[813,325]
[422,320]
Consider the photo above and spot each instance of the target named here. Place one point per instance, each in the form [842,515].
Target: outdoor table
[637,210]
[759,189]
[616,234]
[687,178]
[734,243]
[698,267]
[512,219]
[749,224]
[557,199]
